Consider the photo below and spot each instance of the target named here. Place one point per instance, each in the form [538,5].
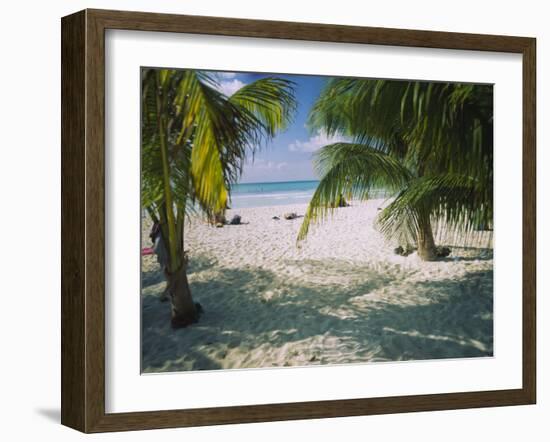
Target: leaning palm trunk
[194,143]
[425,240]
[184,310]
[441,133]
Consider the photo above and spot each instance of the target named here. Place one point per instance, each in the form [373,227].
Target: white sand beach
[341,296]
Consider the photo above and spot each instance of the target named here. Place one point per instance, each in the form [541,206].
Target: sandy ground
[342,296]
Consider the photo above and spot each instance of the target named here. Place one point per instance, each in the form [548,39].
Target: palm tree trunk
[168,201]
[184,310]
[425,240]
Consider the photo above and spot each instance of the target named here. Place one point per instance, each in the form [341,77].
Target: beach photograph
[299,220]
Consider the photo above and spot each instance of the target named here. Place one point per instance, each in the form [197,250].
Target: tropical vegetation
[194,142]
[429,144]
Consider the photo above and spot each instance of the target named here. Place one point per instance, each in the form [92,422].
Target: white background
[29,182]
[128,391]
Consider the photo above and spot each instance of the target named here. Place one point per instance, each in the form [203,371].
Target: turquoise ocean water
[271,194]
[278,194]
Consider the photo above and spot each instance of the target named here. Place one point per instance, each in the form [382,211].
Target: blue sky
[288,156]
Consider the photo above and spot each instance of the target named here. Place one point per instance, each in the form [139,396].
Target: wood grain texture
[144,21]
[73,252]
[308,410]
[95,222]
[529,221]
[83,220]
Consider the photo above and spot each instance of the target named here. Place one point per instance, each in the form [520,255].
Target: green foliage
[195,141]
[457,201]
[442,133]
[343,166]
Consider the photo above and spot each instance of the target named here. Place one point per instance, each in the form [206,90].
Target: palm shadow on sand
[473,254]
[453,326]
[197,264]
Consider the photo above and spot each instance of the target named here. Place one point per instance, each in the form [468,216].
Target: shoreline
[341,296]
[278,196]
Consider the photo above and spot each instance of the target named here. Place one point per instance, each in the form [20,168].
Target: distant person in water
[162,254]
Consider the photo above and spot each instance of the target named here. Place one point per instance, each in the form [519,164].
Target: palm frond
[353,171]
[208,135]
[230,128]
[270,100]
[441,132]
[456,202]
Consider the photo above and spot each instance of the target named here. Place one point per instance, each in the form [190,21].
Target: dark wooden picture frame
[83,220]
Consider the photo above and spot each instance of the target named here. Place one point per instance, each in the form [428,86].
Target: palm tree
[428,143]
[194,143]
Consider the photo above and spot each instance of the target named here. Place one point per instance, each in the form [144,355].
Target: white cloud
[261,171]
[262,164]
[230,87]
[315,142]
[227,74]
[228,84]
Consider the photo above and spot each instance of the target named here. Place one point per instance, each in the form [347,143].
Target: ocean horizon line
[276,182]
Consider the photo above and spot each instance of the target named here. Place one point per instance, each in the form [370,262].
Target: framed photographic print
[268,220]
